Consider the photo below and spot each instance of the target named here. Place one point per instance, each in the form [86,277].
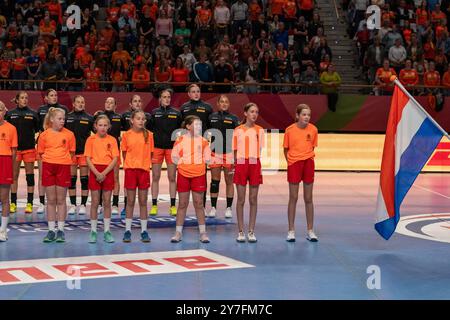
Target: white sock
[51,225]
[94,225]
[143,225]
[128,224]
[4,224]
[61,225]
[202,228]
[179,229]
[106,224]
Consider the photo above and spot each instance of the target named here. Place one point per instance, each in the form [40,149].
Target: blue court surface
[350,261]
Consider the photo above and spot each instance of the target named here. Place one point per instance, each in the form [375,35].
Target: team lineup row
[71,140]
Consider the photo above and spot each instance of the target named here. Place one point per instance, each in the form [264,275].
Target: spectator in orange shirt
[56,145]
[437,15]
[19,69]
[92,76]
[163,72]
[118,76]
[47,30]
[204,15]
[382,79]
[290,13]
[122,55]
[431,79]
[130,7]
[179,74]
[54,8]
[191,153]
[85,58]
[300,139]
[113,14]
[409,76]
[141,78]
[306,8]
[137,149]
[248,140]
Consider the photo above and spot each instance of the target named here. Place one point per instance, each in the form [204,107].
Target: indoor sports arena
[224,150]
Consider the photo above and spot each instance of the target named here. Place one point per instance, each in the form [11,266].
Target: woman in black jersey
[27,124]
[51,100]
[164,121]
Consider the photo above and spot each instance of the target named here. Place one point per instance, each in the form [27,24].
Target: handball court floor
[336,267]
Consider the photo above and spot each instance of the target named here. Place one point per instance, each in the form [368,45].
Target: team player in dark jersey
[27,124]
[135,104]
[221,127]
[164,121]
[51,101]
[196,107]
[81,124]
[114,130]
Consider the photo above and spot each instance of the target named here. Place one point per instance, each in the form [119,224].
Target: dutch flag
[411,137]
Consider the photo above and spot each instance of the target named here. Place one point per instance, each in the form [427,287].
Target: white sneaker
[251,237]
[3,236]
[312,236]
[212,213]
[115,210]
[82,209]
[240,237]
[41,208]
[228,213]
[72,210]
[290,236]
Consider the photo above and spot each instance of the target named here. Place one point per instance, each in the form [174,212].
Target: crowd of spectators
[149,41]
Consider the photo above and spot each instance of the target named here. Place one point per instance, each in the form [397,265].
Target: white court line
[439,194]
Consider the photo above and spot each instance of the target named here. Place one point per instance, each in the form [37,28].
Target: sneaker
[29,208]
[212,213]
[145,237]
[50,237]
[154,211]
[127,236]
[41,208]
[82,209]
[312,236]
[173,211]
[3,236]
[93,237]
[251,237]
[290,236]
[176,238]
[60,236]
[12,207]
[241,237]
[204,238]
[72,210]
[115,210]
[107,237]
[228,213]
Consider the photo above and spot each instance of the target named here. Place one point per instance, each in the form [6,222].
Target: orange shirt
[248,141]
[203,15]
[384,75]
[141,80]
[409,77]
[85,59]
[92,78]
[431,78]
[19,64]
[290,10]
[8,138]
[56,146]
[440,30]
[306,4]
[102,151]
[113,14]
[180,75]
[121,55]
[435,17]
[254,11]
[193,153]
[300,142]
[162,76]
[422,16]
[131,9]
[407,35]
[277,7]
[446,79]
[138,152]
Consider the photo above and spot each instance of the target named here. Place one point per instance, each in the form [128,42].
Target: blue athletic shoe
[60,237]
[127,236]
[145,237]
[50,237]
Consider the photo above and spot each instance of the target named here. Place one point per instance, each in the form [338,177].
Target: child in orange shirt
[56,147]
[102,154]
[137,149]
[8,148]
[248,140]
[191,152]
[300,139]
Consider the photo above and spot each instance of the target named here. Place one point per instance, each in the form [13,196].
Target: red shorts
[221,161]
[196,184]
[26,155]
[302,170]
[137,178]
[159,155]
[107,184]
[79,160]
[247,171]
[55,174]
[6,170]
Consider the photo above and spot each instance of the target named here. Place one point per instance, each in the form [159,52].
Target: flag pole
[399,84]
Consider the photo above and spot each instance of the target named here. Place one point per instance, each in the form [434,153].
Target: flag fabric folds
[411,137]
